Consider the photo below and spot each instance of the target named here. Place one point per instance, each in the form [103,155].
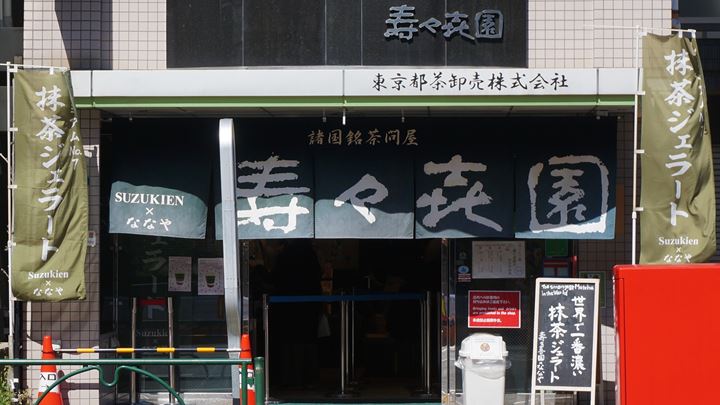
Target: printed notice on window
[179,273]
[498,259]
[493,309]
[211,276]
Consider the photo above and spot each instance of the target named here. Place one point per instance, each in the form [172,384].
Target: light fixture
[344,119]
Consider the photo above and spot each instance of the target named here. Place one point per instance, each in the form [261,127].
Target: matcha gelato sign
[162,190]
[678,194]
[49,240]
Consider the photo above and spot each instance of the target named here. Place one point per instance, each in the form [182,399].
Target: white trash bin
[483,360]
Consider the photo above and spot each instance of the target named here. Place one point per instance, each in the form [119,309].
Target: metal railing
[133,365]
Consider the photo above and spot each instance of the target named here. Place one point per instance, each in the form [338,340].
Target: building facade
[147,74]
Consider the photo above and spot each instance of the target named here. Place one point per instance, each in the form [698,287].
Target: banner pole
[636,151]
[10,169]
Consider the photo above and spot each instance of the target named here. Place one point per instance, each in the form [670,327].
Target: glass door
[482,293]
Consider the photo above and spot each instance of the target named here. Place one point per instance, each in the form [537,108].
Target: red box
[667,320]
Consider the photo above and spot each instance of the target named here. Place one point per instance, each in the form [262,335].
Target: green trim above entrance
[593,100]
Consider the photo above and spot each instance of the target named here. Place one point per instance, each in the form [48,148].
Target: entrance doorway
[386,289]
[347,319]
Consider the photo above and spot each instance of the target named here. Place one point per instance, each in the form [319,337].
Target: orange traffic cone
[246,353]
[48,375]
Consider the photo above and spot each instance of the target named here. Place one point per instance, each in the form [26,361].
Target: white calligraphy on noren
[569,199]
[474,197]
[366,183]
[263,177]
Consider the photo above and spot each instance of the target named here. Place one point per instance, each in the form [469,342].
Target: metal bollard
[259,381]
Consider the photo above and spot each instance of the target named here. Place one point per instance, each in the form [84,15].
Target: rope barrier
[286,299]
[129,350]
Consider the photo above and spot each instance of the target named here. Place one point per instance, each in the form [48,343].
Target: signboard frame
[592,354]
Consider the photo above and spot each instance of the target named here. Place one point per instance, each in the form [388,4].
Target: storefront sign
[565,337]
[463,192]
[677,224]
[354,200]
[51,206]
[565,184]
[498,259]
[160,185]
[294,183]
[363,137]
[274,184]
[470,82]
[349,33]
[403,24]
[494,309]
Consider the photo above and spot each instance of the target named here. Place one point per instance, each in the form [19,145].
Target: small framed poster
[211,277]
[498,259]
[179,274]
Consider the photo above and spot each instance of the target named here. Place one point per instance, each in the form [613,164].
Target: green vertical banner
[677,194]
[51,201]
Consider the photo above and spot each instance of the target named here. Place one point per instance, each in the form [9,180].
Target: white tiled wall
[95,34]
[138,34]
[602,255]
[580,33]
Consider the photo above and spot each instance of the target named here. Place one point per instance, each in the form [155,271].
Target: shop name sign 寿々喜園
[439,187]
[350,33]
[403,24]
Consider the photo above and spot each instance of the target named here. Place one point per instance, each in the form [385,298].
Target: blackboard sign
[565,334]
